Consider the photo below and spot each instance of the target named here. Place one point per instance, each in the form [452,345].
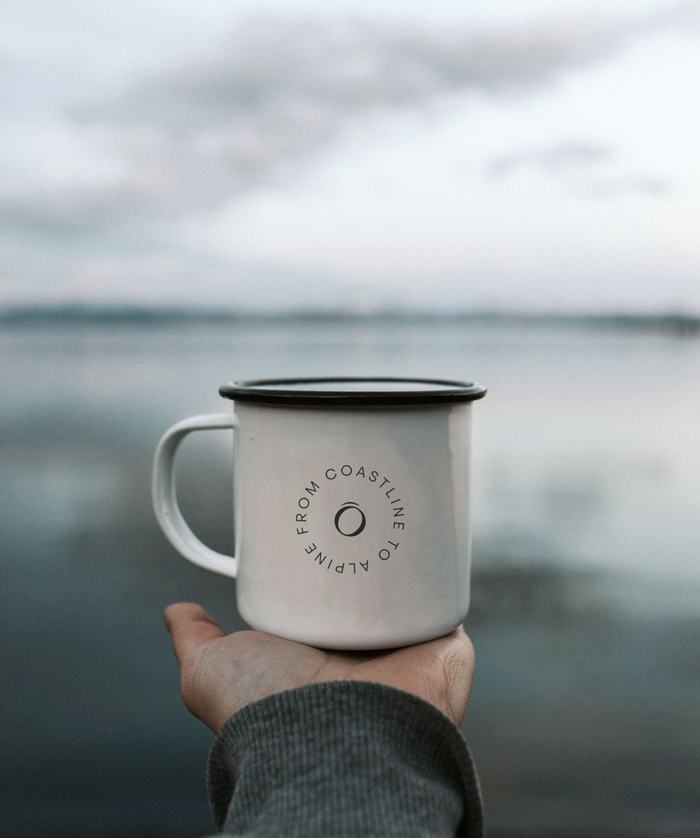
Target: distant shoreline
[70,315]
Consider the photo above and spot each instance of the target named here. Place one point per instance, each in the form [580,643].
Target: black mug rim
[437,391]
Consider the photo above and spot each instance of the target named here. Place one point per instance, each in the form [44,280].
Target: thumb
[190,627]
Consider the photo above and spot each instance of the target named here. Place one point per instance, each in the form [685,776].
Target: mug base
[331,641]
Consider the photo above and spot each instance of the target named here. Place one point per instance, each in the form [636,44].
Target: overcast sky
[509,153]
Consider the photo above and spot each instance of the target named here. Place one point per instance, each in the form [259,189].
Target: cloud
[276,94]
[650,185]
[558,157]
[580,162]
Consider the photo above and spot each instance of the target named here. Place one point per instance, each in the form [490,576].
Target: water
[584,716]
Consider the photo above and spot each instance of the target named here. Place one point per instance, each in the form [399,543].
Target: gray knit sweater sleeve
[346,758]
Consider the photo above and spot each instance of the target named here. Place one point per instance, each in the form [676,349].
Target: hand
[220,674]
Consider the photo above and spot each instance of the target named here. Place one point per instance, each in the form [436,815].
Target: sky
[531,154]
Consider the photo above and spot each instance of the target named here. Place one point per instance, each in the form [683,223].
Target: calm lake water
[584,717]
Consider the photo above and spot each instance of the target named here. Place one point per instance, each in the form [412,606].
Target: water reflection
[585,572]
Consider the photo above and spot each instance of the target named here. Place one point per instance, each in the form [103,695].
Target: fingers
[457,655]
[454,643]
[190,627]
[464,643]
[456,652]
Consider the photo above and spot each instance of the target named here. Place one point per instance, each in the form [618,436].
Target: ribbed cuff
[343,758]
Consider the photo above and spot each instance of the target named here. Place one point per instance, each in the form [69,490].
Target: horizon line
[135,314]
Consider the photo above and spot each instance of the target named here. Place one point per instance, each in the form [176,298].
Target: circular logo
[379,517]
[350,519]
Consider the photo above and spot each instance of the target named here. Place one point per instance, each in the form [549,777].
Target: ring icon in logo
[350,519]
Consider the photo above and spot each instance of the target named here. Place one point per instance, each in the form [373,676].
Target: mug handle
[165,502]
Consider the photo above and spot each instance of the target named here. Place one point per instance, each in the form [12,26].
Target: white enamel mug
[351,507]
